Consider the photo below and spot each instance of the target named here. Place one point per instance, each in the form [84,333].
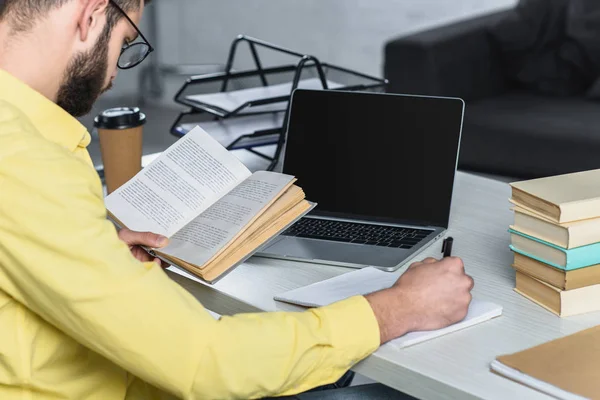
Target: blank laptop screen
[381,157]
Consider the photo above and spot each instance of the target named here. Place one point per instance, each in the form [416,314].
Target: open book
[214,211]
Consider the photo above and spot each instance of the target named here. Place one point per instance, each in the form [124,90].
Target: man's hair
[23,13]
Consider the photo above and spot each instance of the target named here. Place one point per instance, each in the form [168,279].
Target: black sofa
[507,131]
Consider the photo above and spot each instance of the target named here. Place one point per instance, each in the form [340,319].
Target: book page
[206,235]
[184,181]
[278,216]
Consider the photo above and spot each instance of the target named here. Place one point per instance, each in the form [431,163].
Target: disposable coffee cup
[120,132]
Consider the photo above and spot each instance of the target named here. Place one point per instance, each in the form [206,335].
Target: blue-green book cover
[579,257]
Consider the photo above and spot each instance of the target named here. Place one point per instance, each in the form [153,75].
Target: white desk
[451,367]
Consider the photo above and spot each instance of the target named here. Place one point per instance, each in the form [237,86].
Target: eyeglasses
[132,54]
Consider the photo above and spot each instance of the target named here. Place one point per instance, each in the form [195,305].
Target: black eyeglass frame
[149,50]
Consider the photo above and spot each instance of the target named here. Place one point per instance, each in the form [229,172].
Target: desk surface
[454,366]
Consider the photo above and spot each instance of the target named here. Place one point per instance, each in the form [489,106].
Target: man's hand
[430,295]
[136,239]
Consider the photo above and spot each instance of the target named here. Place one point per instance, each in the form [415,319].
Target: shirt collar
[51,121]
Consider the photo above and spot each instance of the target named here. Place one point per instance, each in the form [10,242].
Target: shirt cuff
[353,327]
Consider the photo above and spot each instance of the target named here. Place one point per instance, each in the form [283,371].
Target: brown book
[214,211]
[564,368]
[563,303]
[568,235]
[563,198]
[561,279]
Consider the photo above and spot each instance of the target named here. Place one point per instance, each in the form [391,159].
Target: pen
[447,247]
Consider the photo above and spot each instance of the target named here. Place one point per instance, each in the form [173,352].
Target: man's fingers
[141,254]
[152,239]
[149,239]
[455,264]
[415,264]
[428,260]
[471,283]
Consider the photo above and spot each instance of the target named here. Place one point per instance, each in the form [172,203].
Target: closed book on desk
[563,198]
[566,368]
[563,303]
[569,235]
[559,278]
[558,257]
[214,211]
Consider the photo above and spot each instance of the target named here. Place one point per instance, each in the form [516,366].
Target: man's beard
[84,78]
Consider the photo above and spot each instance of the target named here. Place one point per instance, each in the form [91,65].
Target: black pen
[447,247]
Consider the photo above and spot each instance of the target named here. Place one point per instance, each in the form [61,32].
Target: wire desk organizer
[250,109]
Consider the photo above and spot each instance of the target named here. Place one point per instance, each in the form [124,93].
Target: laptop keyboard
[357,233]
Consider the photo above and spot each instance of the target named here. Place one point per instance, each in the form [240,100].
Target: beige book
[565,280]
[563,303]
[563,198]
[539,250]
[566,368]
[568,235]
[214,211]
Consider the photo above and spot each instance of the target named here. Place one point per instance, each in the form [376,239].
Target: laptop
[381,169]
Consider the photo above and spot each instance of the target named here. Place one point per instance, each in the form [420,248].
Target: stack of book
[556,241]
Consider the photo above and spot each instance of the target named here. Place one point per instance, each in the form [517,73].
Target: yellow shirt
[80,318]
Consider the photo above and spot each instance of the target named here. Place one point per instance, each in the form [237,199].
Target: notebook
[566,368]
[368,280]
[519,377]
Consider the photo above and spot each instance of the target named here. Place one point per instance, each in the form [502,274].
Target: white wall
[350,33]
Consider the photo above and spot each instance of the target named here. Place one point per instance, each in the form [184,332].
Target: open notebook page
[368,280]
[184,181]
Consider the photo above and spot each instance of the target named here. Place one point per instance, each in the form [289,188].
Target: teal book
[553,255]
